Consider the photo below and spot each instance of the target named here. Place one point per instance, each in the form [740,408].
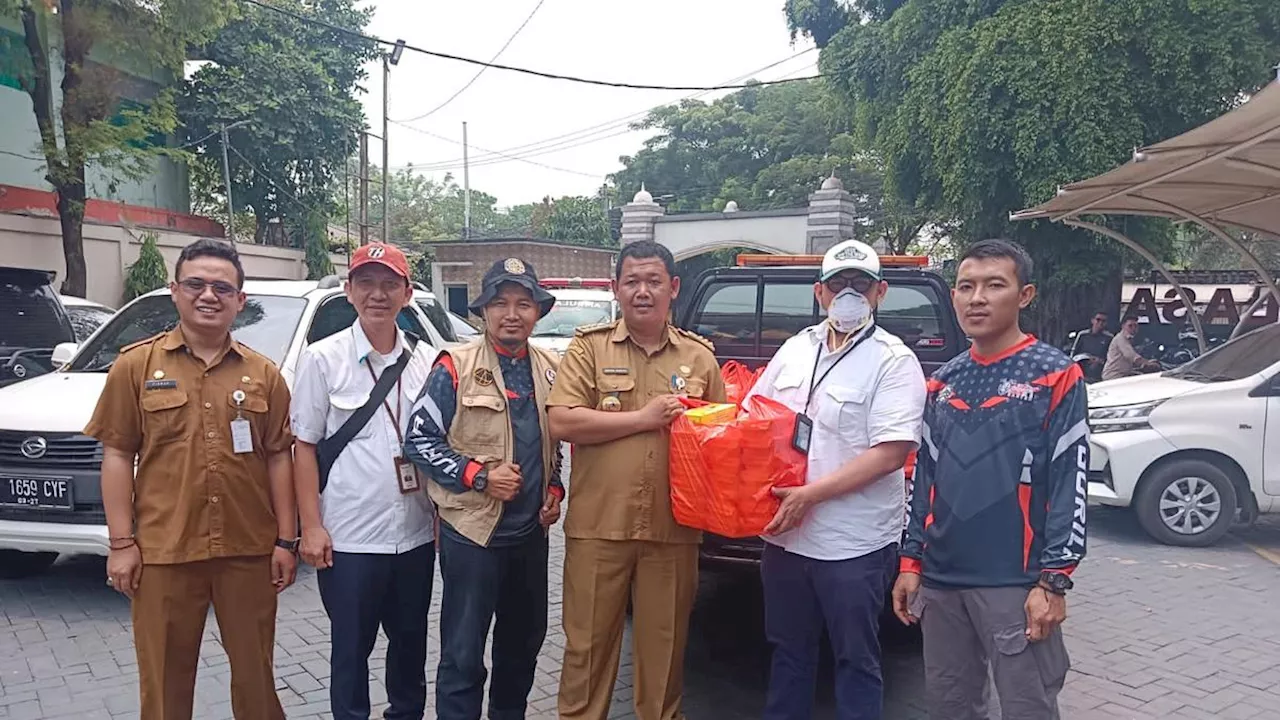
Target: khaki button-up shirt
[194,497]
[620,490]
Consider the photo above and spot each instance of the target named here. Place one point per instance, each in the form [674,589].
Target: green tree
[982,107]
[423,209]
[148,272]
[580,220]
[764,147]
[294,85]
[73,70]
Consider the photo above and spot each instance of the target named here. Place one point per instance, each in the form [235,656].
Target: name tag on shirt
[241,437]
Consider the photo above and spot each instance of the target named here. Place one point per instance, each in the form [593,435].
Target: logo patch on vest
[551,376]
[483,376]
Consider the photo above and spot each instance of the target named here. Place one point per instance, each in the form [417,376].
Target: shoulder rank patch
[695,336]
[141,343]
[589,329]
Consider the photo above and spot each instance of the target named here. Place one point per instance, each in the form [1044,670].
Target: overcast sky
[667,42]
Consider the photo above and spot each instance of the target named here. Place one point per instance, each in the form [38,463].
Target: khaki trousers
[169,611]
[661,580]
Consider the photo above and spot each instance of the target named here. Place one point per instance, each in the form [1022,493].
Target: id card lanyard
[803,430]
[406,475]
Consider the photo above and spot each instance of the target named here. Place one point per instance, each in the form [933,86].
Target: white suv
[579,303]
[1193,449]
[50,493]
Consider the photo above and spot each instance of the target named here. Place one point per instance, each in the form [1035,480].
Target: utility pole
[364,187]
[386,166]
[466,186]
[226,184]
[346,189]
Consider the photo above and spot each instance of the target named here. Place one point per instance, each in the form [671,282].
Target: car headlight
[1121,417]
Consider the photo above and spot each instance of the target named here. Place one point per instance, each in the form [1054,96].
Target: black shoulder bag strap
[328,450]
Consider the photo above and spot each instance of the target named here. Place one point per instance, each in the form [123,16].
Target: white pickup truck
[50,494]
[1194,449]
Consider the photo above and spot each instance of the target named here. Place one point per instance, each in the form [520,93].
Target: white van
[1194,449]
[579,303]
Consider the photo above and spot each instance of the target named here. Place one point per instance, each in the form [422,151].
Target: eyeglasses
[860,283]
[195,287]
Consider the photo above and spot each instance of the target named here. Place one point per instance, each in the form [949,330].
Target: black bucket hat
[512,270]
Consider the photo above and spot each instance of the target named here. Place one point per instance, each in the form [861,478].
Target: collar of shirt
[622,334]
[364,348]
[175,340]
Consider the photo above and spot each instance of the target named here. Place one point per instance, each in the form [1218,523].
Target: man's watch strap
[481,480]
[290,545]
[1057,583]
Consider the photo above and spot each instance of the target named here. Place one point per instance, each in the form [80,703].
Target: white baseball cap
[850,255]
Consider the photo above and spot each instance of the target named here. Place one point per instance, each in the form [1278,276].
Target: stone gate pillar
[639,216]
[831,216]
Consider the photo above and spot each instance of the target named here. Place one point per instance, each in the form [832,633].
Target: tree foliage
[981,107]
[764,147]
[148,272]
[96,51]
[295,84]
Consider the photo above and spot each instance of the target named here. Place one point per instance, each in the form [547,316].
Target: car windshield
[267,324]
[30,313]
[1247,355]
[569,315]
[438,318]
[85,319]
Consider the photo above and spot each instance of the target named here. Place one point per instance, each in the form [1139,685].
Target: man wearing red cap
[367,524]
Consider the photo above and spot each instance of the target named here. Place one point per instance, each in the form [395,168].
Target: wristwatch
[290,545]
[1056,582]
[480,481]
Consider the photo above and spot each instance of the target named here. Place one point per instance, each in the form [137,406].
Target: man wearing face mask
[830,551]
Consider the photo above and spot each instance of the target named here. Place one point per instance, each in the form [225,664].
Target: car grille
[64,450]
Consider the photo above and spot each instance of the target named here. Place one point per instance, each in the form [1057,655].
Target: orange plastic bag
[721,475]
[738,380]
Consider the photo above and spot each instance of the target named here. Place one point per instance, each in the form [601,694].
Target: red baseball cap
[382,254]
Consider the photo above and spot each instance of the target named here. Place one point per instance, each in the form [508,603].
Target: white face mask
[849,311]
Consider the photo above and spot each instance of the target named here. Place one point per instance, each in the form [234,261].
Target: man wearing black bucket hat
[479,431]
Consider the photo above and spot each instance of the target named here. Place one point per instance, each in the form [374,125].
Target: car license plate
[35,492]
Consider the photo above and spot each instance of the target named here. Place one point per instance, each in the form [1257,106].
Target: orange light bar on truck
[577,282]
[763,260]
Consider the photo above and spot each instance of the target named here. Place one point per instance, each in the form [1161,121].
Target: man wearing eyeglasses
[831,549]
[369,530]
[209,515]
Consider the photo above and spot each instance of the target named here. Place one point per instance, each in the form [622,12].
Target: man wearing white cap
[831,549]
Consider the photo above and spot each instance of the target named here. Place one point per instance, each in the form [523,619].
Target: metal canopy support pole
[1250,259]
[1155,263]
[1263,294]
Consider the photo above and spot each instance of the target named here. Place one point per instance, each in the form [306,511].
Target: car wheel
[1189,503]
[15,564]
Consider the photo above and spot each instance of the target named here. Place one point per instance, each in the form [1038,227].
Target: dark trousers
[801,597]
[360,592]
[510,583]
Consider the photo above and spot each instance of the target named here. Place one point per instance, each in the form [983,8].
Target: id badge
[801,433]
[241,437]
[407,475]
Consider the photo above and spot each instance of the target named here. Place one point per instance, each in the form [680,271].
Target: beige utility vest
[482,431]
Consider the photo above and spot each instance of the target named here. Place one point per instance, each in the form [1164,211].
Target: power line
[480,72]
[495,152]
[526,71]
[584,136]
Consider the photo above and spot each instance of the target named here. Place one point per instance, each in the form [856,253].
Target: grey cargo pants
[965,632]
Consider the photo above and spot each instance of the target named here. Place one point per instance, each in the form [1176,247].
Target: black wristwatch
[480,481]
[290,545]
[1056,582]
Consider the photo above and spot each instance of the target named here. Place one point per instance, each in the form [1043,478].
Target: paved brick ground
[1154,632]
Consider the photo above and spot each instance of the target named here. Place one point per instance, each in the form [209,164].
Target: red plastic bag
[722,475]
[738,380]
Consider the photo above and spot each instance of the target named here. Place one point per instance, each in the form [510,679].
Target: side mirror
[62,354]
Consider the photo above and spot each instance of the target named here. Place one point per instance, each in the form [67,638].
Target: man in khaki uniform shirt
[615,395]
[210,515]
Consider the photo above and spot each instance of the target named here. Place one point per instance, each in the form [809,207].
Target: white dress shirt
[362,506]
[874,395]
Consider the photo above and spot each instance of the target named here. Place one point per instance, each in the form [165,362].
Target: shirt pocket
[164,416]
[253,408]
[842,409]
[695,388]
[621,387]
[343,406]
[483,418]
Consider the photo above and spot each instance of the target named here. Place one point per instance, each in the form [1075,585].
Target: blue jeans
[803,596]
[509,583]
[360,592]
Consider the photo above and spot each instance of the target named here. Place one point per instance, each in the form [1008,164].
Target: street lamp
[388,59]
